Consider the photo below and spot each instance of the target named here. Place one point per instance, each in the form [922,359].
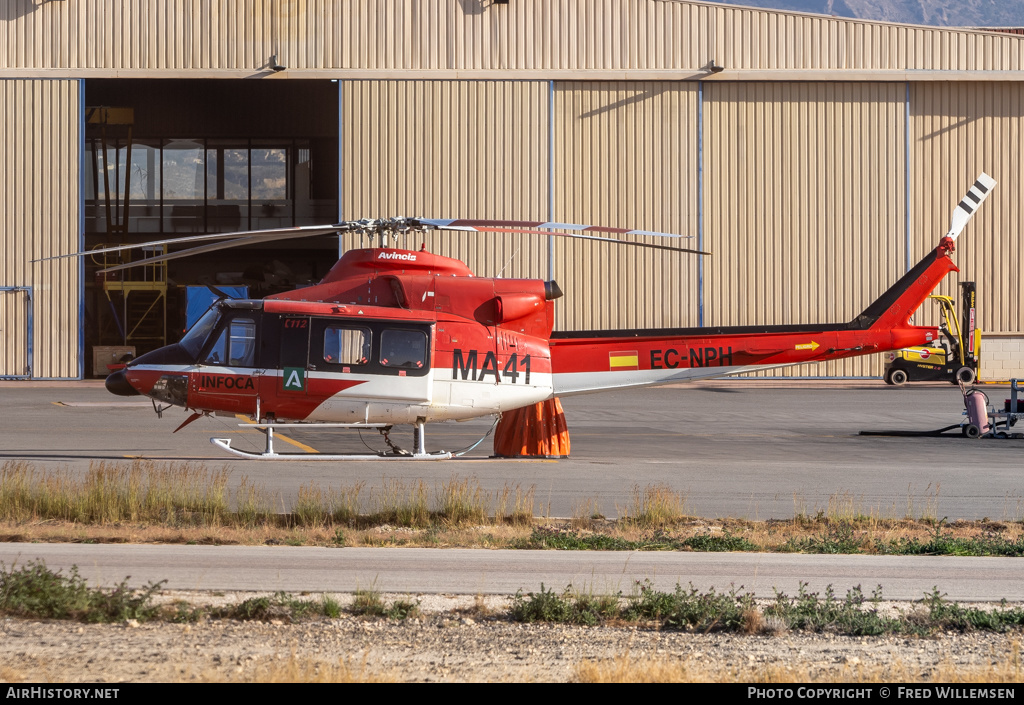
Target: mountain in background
[937,13]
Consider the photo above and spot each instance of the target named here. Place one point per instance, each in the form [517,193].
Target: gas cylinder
[977,411]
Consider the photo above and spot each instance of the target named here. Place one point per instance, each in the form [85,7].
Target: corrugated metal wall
[15,326]
[958,130]
[626,157]
[450,149]
[458,35]
[589,113]
[804,195]
[40,144]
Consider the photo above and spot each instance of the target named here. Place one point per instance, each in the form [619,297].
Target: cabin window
[236,345]
[346,346]
[406,349]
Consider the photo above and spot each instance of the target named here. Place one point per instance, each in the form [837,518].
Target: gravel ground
[455,639]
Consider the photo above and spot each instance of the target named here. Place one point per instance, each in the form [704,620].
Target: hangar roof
[522,39]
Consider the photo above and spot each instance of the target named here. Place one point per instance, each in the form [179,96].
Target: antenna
[507,263]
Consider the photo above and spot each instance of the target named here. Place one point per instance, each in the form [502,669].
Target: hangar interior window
[201,185]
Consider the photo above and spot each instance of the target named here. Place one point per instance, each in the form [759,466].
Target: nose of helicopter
[117,384]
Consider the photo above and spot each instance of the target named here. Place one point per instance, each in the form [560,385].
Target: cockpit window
[346,346]
[403,348]
[196,337]
[236,345]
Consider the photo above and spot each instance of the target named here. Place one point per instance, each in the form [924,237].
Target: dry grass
[462,501]
[655,506]
[846,506]
[303,670]
[318,508]
[187,503]
[253,504]
[182,494]
[401,503]
[515,505]
[11,675]
[626,669]
[769,535]
[585,514]
[113,492]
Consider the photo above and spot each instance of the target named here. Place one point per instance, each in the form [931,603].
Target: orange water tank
[533,431]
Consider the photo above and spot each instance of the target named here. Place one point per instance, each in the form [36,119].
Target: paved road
[735,448]
[479,571]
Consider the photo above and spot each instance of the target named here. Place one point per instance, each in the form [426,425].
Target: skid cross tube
[269,453]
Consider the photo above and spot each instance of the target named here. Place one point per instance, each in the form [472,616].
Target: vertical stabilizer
[894,308]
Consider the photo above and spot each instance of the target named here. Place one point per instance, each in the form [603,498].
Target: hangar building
[817,158]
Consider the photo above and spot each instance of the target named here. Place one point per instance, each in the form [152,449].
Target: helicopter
[395,336]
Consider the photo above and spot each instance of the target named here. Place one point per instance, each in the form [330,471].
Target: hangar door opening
[175,158]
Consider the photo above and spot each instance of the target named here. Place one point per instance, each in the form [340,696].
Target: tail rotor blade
[970,203]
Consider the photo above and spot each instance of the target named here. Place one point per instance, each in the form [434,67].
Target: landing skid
[269,454]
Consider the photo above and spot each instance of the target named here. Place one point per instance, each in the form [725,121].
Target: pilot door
[228,374]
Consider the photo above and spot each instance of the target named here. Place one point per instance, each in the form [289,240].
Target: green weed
[571,541]
[569,607]
[837,538]
[369,603]
[943,543]
[36,591]
[402,609]
[690,609]
[725,541]
[279,606]
[854,614]
[949,616]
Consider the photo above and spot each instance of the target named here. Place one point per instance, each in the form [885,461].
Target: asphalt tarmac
[479,571]
[730,448]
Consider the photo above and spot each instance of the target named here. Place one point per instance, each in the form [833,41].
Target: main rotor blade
[575,236]
[970,203]
[282,233]
[249,239]
[466,224]
[394,226]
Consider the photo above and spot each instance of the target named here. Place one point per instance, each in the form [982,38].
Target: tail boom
[583,365]
[590,362]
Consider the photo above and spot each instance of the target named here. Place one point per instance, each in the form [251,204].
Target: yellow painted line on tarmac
[279,436]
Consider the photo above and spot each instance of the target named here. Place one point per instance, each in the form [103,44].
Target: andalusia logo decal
[294,379]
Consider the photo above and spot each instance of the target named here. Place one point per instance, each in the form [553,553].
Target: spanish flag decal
[623,360]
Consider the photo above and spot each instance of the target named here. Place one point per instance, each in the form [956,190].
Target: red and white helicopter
[394,336]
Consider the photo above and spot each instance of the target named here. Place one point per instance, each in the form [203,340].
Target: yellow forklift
[953,357]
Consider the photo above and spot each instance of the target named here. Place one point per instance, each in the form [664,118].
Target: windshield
[197,334]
